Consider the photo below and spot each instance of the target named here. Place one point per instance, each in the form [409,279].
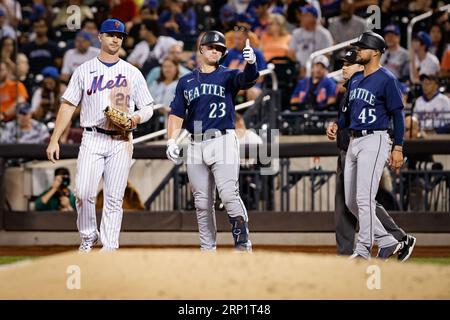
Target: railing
[421,17]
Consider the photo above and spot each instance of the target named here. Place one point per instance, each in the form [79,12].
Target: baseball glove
[119,118]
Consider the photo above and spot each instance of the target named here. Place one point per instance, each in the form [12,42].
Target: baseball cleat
[86,245]
[356,256]
[386,253]
[408,246]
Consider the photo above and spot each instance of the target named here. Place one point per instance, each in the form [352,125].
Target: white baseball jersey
[95,85]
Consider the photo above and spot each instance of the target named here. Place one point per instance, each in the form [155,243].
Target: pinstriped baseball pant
[210,164]
[100,156]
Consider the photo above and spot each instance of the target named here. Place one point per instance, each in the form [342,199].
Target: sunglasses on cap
[240,28]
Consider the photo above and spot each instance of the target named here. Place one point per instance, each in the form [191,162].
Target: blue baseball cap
[309,9]
[152,4]
[113,25]
[423,37]
[245,18]
[24,107]
[51,72]
[258,3]
[2,13]
[84,34]
[227,13]
[392,28]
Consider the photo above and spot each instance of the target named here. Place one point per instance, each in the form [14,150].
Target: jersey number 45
[368,112]
[217,111]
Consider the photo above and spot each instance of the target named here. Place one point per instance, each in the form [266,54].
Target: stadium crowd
[39,52]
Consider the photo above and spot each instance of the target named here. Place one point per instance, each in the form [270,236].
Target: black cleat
[408,246]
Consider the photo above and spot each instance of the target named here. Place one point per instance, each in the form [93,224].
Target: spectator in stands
[152,49]
[149,11]
[346,26]
[42,52]
[5,29]
[433,107]
[396,58]
[235,60]
[22,72]
[163,88]
[8,53]
[244,23]
[422,61]
[179,20]
[46,99]
[176,54]
[58,196]
[64,15]
[259,9]
[12,11]
[445,65]
[317,92]
[24,129]
[227,17]
[131,199]
[438,40]
[89,26]
[124,10]
[82,52]
[275,41]
[309,38]
[11,93]
[240,6]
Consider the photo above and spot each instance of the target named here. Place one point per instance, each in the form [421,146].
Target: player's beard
[363,61]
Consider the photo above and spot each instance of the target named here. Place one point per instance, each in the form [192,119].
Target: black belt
[107,132]
[208,135]
[363,133]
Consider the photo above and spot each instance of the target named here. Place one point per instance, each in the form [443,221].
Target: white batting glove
[248,53]
[173,152]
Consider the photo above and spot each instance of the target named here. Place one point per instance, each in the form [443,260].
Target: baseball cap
[24,107]
[245,18]
[350,56]
[258,3]
[113,25]
[423,37]
[227,13]
[2,13]
[392,28]
[322,60]
[84,34]
[152,4]
[309,9]
[51,72]
[431,77]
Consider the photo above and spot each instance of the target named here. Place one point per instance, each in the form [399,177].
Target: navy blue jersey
[373,99]
[206,100]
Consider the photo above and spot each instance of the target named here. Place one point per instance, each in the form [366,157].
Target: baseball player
[345,222]
[204,101]
[105,151]
[374,98]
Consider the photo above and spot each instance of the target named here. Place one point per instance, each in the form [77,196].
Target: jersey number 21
[217,112]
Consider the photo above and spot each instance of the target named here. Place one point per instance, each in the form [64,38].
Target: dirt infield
[190,274]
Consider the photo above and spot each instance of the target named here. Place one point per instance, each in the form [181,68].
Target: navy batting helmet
[214,37]
[370,40]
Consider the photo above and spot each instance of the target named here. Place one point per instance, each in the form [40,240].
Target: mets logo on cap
[113,25]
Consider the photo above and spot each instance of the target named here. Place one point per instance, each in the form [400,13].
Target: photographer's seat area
[28,181]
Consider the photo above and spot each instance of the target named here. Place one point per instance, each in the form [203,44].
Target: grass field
[438,261]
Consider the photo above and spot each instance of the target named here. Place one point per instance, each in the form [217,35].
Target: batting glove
[173,152]
[248,53]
